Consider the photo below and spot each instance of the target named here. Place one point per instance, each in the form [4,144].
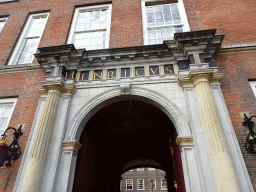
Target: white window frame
[140,169]
[2,1]
[81,9]
[3,19]
[182,11]
[16,53]
[129,185]
[142,183]
[162,184]
[8,101]
[151,169]
[155,183]
[253,86]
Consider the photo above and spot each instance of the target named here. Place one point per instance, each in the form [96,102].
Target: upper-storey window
[161,19]
[6,110]
[2,1]
[29,40]
[2,23]
[91,27]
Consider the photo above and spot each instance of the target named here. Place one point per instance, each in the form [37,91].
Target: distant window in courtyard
[163,184]
[140,169]
[141,185]
[129,184]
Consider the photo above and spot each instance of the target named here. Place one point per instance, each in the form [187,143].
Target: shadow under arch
[137,93]
[125,134]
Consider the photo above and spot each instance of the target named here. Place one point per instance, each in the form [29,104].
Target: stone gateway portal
[121,133]
[112,110]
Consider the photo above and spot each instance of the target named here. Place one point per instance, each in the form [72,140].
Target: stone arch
[116,94]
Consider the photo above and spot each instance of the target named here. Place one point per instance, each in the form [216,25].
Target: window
[91,27]
[6,110]
[129,184]
[140,169]
[152,183]
[253,86]
[2,1]
[29,40]
[162,20]
[163,184]
[151,169]
[141,185]
[2,22]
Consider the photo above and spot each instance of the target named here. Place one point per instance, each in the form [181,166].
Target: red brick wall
[22,85]
[234,18]
[238,69]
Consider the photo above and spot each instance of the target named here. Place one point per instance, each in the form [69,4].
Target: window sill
[20,68]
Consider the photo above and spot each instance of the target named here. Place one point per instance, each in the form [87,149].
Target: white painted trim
[142,183]
[182,11]
[162,184]
[3,19]
[12,101]
[20,44]
[155,188]
[126,184]
[3,1]
[75,17]
[253,86]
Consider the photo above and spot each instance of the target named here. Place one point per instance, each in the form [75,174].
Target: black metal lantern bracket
[250,142]
[14,150]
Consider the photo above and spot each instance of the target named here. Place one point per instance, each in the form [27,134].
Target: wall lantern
[11,152]
[250,142]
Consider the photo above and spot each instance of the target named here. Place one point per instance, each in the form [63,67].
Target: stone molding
[197,74]
[237,48]
[172,51]
[57,83]
[20,68]
[71,145]
[185,141]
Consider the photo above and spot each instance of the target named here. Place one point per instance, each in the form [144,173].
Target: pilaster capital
[57,84]
[71,145]
[198,74]
[185,141]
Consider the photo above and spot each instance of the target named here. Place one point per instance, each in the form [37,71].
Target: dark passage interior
[121,133]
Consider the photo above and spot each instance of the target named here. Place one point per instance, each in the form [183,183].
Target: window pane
[160,19]
[26,55]
[90,40]
[3,123]
[89,20]
[2,24]
[7,110]
[37,27]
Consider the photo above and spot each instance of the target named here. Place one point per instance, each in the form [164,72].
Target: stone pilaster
[218,152]
[32,180]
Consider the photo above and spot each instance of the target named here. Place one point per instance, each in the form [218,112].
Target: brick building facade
[140,178]
[159,74]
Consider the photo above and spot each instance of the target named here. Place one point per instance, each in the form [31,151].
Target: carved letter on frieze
[125,89]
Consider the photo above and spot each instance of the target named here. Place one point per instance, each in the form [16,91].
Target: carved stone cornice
[185,141]
[71,145]
[204,42]
[199,73]
[57,83]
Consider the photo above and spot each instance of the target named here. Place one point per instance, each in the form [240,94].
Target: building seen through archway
[123,136]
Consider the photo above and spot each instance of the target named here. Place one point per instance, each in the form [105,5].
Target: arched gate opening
[125,135]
